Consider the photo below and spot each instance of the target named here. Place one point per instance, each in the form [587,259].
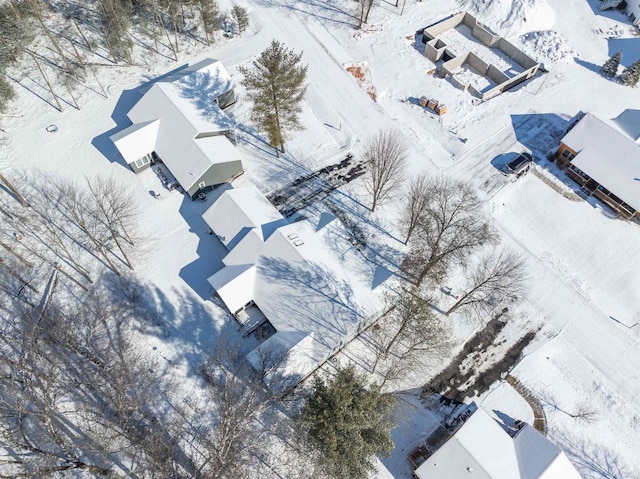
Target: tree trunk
[16,254]
[46,79]
[124,255]
[18,196]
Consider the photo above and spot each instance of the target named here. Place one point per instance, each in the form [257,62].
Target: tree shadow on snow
[588,65]
[595,461]
[323,11]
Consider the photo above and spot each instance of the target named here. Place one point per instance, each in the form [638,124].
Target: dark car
[520,163]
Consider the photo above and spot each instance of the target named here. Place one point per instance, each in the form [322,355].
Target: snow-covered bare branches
[415,202]
[408,337]
[385,157]
[450,228]
[496,276]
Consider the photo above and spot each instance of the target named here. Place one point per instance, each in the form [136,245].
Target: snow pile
[512,17]
[549,45]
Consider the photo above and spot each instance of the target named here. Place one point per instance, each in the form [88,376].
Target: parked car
[520,163]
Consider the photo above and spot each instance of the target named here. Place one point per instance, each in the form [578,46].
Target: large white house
[289,280]
[180,122]
[482,449]
[605,162]
[633,10]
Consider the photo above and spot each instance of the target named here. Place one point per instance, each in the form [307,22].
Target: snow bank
[512,17]
[549,45]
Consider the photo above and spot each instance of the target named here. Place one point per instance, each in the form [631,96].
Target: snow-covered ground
[584,266]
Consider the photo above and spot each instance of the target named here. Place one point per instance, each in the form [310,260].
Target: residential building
[604,162]
[180,122]
[633,10]
[288,283]
[481,449]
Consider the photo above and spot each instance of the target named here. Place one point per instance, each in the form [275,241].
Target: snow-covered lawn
[584,266]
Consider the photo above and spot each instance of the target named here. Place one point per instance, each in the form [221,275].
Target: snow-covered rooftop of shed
[607,156]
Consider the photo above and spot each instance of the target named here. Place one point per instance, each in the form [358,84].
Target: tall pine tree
[346,421]
[631,75]
[610,67]
[275,83]
[241,17]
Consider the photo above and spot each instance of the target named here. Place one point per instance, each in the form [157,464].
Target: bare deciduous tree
[408,337]
[385,156]
[497,275]
[451,227]
[115,210]
[78,393]
[364,7]
[234,433]
[416,200]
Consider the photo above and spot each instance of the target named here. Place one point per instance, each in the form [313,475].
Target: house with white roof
[604,162]
[180,122]
[633,10]
[629,123]
[482,449]
[286,281]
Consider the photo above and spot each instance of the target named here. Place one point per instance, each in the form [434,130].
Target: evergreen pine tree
[610,67]
[210,14]
[275,83]
[115,17]
[345,420]
[631,75]
[240,16]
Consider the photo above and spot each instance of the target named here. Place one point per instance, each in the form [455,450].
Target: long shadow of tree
[595,461]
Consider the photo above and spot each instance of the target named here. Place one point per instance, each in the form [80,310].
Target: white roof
[185,116]
[137,140]
[239,210]
[301,286]
[539,458]
[298,357]
[235,285]
[481,449]
[608,156]
[629,122]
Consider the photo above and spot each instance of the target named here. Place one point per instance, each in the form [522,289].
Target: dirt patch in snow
[549,45]
[369,30]
[362,74]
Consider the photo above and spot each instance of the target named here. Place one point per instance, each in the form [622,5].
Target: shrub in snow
[610,67]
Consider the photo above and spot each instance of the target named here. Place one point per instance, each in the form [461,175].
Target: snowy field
[584,266]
